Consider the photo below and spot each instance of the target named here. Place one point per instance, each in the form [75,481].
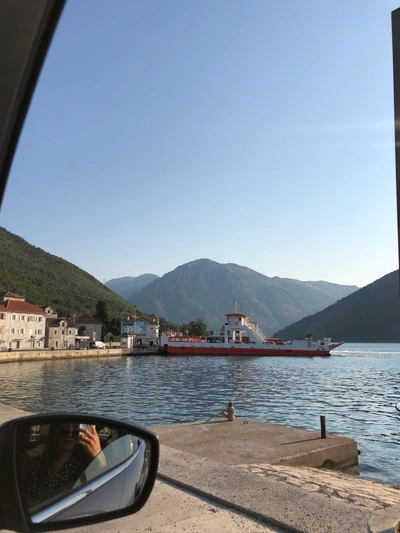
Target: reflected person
[69,450]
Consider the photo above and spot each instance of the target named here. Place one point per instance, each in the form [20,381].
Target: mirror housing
[69,470]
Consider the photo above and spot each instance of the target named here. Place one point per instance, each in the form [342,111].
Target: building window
[56,344]
[39,319]
[14,317]
[63,332]
[38,344]
[13,331]
[22,317]
[22,331]
[69,332]
[1,315]
[39,331]
[65,344]
[55,332]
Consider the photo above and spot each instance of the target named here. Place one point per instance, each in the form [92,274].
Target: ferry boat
[242,336]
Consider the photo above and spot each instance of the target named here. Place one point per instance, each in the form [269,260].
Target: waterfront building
[22,325]
[92,326]
[127,341]
[60,333]
[145,332]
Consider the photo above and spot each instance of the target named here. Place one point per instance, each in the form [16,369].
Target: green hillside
[372,314]
[46,279]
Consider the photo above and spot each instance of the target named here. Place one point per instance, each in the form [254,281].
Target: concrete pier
[243,442]
[43,355]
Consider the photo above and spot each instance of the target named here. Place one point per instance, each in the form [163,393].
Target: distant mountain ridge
[207,289]
[128,286]
[201,288]
[372,314]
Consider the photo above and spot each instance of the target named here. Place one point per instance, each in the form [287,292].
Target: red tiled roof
[15,306]
[137,318]
[86,319]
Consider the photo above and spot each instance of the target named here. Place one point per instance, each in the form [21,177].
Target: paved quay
[44,355]
[170,510]
[238,442]
[244,468]
[242,491]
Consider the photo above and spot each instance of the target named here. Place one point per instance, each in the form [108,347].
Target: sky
[258,133]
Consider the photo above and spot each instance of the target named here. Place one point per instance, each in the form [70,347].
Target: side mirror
[70,470]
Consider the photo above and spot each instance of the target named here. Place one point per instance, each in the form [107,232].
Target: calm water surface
[357,389]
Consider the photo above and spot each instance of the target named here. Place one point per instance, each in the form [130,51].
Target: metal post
[323,427]
[396,92]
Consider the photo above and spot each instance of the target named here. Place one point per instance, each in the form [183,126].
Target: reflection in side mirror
[73,468]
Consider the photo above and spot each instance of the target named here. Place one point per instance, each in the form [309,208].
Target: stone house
[60,334]
[92,326]
[22,325]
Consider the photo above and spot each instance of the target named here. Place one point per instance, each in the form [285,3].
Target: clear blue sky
[256,132]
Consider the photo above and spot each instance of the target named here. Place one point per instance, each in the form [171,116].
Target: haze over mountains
[372,314]
[128,286]
[207,289]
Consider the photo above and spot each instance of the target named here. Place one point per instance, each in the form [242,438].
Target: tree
[114,326]
[101,312]
[211,332]
[81,331]
[197,328]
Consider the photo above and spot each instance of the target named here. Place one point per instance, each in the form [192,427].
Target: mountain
[129,286]
[46,279]
[206,289]
[372,314]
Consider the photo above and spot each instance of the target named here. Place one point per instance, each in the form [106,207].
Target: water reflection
[356,389]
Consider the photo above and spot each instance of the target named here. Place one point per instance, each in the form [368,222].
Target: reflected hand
[90,441]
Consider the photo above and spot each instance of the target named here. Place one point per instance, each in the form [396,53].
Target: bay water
[357,389]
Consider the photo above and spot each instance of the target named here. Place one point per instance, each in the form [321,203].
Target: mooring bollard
[323,427]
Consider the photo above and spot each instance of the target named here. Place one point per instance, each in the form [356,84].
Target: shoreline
[46,355]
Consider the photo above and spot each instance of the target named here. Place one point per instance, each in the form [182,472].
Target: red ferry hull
[231,351]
